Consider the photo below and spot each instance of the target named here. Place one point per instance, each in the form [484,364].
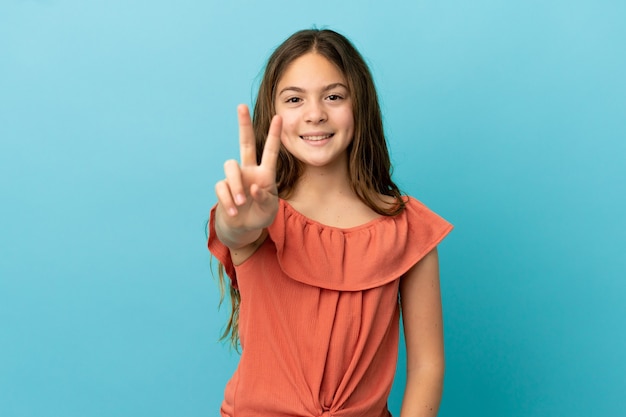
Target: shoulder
[424,227]
[417,210]
[408,206]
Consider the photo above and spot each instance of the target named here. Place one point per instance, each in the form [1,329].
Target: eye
[293,100]
[334,97]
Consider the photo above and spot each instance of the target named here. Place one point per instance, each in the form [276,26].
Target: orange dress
[319,313]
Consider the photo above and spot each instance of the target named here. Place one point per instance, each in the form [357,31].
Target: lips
[317,138]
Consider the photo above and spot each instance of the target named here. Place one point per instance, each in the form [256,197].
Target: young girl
[321,248]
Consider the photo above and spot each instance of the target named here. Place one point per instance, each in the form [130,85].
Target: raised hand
[247,197]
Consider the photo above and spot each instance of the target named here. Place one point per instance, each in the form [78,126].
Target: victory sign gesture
[248,197]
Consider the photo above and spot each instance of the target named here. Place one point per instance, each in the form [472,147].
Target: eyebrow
[300,90]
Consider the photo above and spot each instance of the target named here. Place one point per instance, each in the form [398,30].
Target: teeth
[316,138]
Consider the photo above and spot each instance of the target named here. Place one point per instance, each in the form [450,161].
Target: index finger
[247,147]
[272,144]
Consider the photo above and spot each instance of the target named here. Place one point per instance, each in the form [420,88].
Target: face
[314,101]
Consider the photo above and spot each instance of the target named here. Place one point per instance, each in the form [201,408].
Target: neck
[326,196]
[320,184]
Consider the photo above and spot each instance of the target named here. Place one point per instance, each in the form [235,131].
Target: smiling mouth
[317,138]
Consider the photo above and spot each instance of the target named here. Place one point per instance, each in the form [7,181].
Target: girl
[322,249]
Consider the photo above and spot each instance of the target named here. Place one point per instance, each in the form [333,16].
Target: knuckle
[220,186]
[231,163]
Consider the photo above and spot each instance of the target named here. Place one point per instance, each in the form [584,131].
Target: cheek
[286,133]
[347,119]
[289,125]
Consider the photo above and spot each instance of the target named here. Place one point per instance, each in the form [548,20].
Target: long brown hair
[369,165]
[368,157]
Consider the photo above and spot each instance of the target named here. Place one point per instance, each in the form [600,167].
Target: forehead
[311,70]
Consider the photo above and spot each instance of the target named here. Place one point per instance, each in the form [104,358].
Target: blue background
[506,117]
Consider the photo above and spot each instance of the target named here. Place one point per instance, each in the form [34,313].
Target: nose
[315,112]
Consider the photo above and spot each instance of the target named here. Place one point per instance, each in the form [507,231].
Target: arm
[247,197]
[423,329]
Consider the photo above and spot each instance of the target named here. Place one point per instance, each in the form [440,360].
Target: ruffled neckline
[355,258]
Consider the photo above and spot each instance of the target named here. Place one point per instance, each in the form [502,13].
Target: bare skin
[423,331]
